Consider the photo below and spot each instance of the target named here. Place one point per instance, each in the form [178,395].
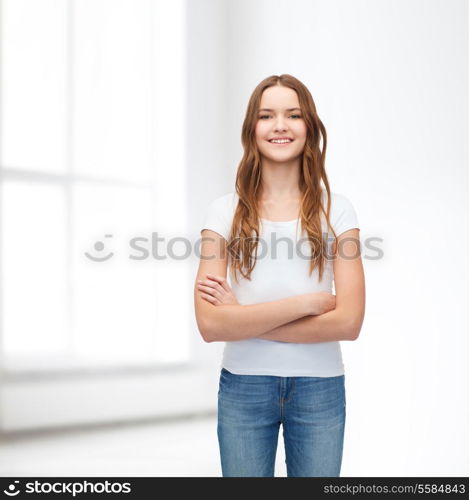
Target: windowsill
[53,368]
[92,393]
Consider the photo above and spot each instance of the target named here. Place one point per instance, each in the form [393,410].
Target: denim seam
[281,399]
[292,391]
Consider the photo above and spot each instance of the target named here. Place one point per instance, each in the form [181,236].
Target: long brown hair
[241,243]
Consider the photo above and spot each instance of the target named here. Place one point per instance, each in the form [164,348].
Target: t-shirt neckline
[280,222]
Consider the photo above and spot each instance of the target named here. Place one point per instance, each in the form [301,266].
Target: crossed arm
[291,319]
[345,321]
[335,325]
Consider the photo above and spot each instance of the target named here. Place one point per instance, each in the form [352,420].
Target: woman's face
[279,115]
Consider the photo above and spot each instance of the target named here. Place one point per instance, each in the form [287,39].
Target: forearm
[239,322]
[332,326]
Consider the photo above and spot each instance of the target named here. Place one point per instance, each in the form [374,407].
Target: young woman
[285,238]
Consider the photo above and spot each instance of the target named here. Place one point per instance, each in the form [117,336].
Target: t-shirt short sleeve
[218,216]
[344,216]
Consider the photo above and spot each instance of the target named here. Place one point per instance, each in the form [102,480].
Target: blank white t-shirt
[282,270]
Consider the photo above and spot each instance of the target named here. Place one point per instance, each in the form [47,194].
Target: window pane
[170,114]
[113,88]
[33,84]
[119,302]
[34,270]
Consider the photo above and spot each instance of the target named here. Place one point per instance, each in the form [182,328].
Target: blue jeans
[251,409]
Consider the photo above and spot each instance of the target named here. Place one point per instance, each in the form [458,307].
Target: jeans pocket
[225,380]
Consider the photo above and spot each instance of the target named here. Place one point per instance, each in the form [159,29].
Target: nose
[280,124]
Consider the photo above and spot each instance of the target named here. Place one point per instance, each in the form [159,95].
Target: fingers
[209,290]
[212,286]
[219,279]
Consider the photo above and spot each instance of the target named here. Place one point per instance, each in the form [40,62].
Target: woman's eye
[267,116]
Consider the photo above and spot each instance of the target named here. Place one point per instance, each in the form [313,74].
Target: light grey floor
[174,448]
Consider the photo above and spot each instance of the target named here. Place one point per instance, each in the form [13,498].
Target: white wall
[210,171]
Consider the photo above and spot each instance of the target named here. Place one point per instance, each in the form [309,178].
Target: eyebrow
[289,109]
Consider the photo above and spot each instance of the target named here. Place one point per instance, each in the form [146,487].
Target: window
[92,156]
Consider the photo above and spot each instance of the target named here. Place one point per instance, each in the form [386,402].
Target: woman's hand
[215,289]
[321,302]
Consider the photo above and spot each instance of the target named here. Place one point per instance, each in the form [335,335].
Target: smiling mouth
[281,143]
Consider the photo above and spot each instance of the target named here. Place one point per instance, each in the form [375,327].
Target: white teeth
[283,141]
